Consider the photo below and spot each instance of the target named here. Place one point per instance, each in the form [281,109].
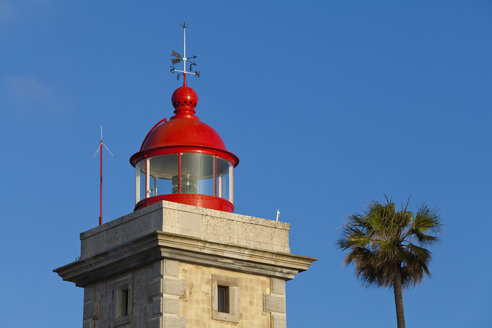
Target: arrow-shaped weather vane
[176,58]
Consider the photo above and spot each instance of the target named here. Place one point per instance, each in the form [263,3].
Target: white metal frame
[147,177]
[137,183]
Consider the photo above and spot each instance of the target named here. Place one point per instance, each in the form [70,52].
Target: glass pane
[223,169]
[223,298]
[163,168]
[153,185]
[197,174]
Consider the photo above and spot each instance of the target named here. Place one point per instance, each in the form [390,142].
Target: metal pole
[101,184]
[184,49]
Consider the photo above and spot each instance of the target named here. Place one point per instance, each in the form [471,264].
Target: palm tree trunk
[400,317]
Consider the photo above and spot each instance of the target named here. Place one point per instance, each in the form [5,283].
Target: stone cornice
[163,245]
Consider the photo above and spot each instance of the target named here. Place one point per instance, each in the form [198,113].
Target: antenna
[100,150]
[186,60]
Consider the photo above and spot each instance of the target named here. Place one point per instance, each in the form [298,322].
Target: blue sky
[328,104]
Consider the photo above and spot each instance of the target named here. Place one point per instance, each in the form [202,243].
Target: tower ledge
[192,221]
[187,234]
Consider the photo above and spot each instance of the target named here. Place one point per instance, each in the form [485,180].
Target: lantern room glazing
[184,173]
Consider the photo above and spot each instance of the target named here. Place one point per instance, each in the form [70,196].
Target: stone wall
[196,305]
[145,308]
[180,295]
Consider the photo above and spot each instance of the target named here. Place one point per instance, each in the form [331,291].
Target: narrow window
[124,307]
[123,302]
[223,298]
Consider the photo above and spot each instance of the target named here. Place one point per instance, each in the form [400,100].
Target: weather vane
[186,60]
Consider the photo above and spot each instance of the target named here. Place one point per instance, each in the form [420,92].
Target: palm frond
[423,238]
[414,265]
[427,219]
[419,253]
[383,242]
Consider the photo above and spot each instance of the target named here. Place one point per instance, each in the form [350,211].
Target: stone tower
[175,265]
[183,258]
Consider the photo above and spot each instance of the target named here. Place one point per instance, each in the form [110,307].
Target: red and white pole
[100,151]
[101,184]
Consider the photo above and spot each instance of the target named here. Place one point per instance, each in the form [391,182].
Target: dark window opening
[124,302]
[223,298]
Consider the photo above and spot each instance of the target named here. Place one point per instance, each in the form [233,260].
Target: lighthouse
[184,160]
[183,258]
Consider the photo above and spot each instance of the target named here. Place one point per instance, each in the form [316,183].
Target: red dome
[183,132]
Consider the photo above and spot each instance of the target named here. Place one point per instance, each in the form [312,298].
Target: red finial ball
[184,100]
[184,96]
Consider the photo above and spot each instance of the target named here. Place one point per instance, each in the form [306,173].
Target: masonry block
[174,287]
[88,310]
[278,320]
[274,303]
[154,288]
[157,270]
[277,286]
[154,323]
[171,305]
[87,294]
[157,305]
[174,322]
[171,268]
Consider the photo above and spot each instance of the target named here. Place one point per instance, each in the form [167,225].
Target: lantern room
[184,160]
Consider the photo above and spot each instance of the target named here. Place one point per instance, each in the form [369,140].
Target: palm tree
[387,247]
